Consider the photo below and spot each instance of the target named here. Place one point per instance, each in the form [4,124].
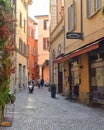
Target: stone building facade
[56,42]
[20,78]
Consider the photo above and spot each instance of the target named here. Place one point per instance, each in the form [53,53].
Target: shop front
[86,72]
[96,63]
[60,78]
[74,78]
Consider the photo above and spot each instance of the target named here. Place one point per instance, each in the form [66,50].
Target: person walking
[42,82]
[39,82]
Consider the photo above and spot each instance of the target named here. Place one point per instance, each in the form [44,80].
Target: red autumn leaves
[6,45]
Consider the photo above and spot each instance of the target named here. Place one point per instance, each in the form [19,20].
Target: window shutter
[29,32]
[73,16]
[88,8]
[92,7]
[98,4]
[20,19]
[27,50]
[69,19]
[44,24]
[47,43]
[43,43]
[24,25]
[32,34]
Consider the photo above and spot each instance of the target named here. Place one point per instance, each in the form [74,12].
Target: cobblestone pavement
[38,111]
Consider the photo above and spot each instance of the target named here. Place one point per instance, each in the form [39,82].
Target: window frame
[45,24]
[45,43]
[96,7]
[20,20]
[32,33]
[71,17]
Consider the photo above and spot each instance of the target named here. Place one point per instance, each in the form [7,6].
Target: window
[93,6]
[28,31]
[53,54]
[34,52]
[20,20]
[59,49]
[71,18]
[32,34]
[27,50]
[28,63]
[46,24]
[24,48]
[45,43]
[20,45]
[24,25]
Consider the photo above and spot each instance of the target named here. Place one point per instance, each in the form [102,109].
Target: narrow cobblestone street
[38,111]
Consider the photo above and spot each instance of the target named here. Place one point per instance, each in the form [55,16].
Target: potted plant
[53,90]
[7,48]
[12,97]
[4,99]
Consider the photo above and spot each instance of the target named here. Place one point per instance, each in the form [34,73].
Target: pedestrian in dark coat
[42,82]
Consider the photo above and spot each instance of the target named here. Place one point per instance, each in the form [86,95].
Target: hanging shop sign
[74,35]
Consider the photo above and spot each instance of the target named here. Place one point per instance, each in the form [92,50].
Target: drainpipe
[81,19]
[15,53]
[57,10]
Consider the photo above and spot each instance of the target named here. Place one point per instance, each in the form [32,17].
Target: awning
[78,52]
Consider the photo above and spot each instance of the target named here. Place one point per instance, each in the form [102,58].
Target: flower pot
[53,90]
[5,123]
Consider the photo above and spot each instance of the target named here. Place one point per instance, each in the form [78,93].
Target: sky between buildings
[38,7]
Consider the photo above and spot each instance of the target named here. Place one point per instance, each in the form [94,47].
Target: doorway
[60,78]
[74,79]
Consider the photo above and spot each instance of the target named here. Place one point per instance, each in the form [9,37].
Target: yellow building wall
[20,30]
[56,75]
[53,16]
[56,39]
[84,78]
[21,34]
[93,28]
[21,60]
[46,73]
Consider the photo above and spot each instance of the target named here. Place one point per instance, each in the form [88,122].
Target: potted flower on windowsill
[53,90]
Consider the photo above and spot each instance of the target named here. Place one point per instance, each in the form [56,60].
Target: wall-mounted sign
[74,35]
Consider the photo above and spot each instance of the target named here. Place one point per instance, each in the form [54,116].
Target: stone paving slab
[38,111]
